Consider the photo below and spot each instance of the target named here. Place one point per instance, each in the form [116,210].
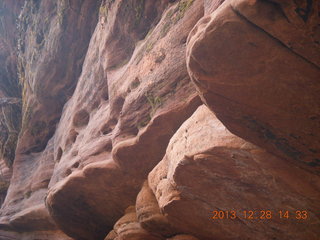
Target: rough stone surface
[256,65]
[49,63]
[183,237]
[128,227]
[103,131]
[43,235]
[10,93]
[122,130]
[149,214]
[224,172]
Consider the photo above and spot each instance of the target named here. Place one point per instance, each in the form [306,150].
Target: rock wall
[10,92]
[168,119]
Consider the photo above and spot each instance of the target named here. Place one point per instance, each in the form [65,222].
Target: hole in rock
[73,135]
[68,172]
[76,165]
[74,153]
[81,118]
[106,129]
[105,94]
[116,106]
[59,154]
[112,122]
[108,146]
[118,103]
[135,83]
[39,38]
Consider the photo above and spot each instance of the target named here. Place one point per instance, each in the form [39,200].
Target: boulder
[256,66]
[223,174]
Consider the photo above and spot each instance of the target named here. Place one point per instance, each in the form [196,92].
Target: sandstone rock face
[256,65]
[48,67]
[128,227]
[225,173]
[104,135]
[183,237]
[121,116]
[10,94]
[149,215]
[48,235]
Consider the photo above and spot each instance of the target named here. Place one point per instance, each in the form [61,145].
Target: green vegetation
[182,7]
[120,64]
[154,101]
[149,46]
[26,118]
[61,10]
[103,11]
[165,29]
[144,122]
[171,18]
[174,15]
[135,83]
[138,9]
[27,194]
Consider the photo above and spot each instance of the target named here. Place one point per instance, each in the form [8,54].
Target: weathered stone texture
[256,65]
[137,119]
[224,172]
[52,39]
[121,116]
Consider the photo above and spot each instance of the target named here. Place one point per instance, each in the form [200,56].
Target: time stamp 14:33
[259,214]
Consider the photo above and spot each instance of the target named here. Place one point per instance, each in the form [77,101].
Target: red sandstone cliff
[155,120]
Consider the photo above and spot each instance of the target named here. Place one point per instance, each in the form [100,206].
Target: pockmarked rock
[46,65]
[104,135]
[122,114]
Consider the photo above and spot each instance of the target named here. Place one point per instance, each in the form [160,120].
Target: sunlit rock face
[159,120]
[125,108]
[256,65]
[196,179]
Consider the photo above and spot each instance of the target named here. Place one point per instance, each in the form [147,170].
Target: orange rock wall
[145,120]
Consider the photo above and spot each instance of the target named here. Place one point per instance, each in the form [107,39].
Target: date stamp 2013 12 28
[260,214]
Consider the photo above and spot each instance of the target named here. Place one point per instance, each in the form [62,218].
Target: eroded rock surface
[128,227]
[121,117]
[10,93]
[114,142]
[256,65]
[224,172]
[49,63]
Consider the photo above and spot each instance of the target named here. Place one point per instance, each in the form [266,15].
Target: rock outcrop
[122,130]
[159,120]
[226,173]
[274,102]
[49,63]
